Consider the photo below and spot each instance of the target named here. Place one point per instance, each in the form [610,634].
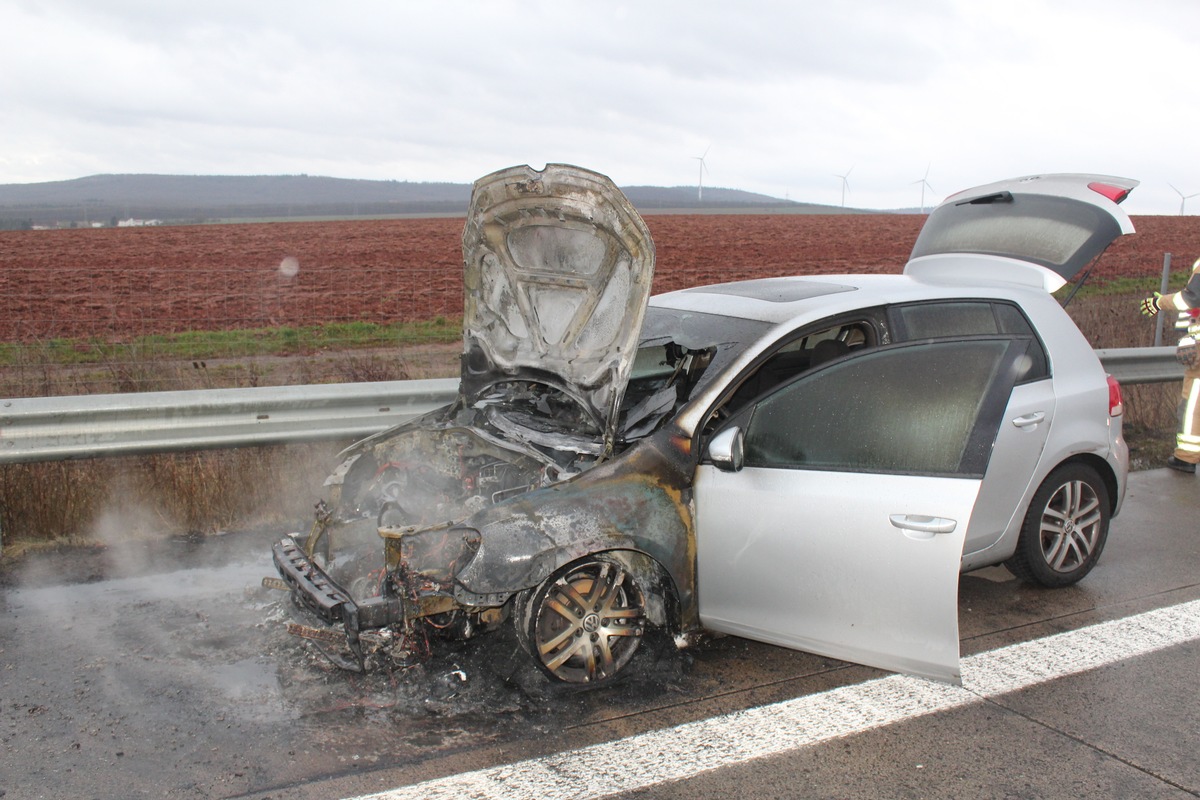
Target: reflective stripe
[1188,441]
[1189,414]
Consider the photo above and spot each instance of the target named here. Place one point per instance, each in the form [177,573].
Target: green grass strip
[275,341]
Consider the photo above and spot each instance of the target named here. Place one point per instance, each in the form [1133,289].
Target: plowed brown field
[116,283]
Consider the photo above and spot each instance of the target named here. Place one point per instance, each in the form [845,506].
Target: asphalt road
[163,671]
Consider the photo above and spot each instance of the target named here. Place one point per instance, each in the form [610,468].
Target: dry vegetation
[97,502]
[104,501]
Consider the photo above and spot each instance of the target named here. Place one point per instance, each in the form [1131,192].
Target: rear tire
[1065,528]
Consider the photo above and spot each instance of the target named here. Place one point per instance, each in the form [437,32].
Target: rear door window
[957,319]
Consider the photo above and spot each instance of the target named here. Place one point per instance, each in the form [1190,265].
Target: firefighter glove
[1150,305]
[1187,354]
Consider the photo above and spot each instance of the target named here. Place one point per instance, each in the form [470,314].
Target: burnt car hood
[557,272]
[1047,228]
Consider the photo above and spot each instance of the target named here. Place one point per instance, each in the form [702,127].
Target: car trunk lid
[1058,223]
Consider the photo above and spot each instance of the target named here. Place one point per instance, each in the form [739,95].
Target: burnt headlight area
[436,555]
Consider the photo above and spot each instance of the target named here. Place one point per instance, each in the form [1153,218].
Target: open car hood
[1055,225]
[557,271]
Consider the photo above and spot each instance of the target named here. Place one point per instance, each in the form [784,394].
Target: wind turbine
[845,184]
[1182,198]
[924,185]
[703,169]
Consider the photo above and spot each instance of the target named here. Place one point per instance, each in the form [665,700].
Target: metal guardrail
[1142,364]
[91,426]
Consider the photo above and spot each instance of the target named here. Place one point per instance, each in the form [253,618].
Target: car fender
[638,502]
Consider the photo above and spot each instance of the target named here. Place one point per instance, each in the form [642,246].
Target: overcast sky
[780,97]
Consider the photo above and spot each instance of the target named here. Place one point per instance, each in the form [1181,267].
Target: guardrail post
[1159,319]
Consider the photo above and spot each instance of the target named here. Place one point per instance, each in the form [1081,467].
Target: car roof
[777,300]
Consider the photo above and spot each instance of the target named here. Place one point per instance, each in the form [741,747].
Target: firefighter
[1185,304]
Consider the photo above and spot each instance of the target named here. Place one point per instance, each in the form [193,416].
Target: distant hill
[108,199]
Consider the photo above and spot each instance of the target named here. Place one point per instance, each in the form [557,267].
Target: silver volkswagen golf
[805,461]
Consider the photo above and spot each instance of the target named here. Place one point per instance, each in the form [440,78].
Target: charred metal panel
[557,273]
[639,501]
[316,590]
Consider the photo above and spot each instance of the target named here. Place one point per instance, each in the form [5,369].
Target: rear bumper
[1119,461]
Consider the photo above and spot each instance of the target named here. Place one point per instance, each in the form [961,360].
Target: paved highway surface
[162,671]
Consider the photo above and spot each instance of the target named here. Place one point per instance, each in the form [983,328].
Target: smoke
[122,529]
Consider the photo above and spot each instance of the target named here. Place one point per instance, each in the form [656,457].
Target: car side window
[959,318]
[808,350]
[930,407]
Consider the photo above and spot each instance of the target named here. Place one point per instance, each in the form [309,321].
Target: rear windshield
[1056,232]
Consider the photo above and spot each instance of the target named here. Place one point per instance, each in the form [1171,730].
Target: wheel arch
[526,540]
[662,594]
[1003,548]
[662,606]
[1075,539]
[1101,468]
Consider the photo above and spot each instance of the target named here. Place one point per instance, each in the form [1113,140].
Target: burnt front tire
[1065,528]
[585,622]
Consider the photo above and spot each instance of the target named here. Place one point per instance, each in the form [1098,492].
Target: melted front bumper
[311,587]
[315,591]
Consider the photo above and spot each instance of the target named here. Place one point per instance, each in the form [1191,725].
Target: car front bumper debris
[316,592]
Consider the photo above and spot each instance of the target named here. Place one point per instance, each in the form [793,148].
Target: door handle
[1027,421]
[922,523]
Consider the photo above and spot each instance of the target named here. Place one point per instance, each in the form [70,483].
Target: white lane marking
[657,757]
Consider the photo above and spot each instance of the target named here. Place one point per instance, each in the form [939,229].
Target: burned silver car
[809,462]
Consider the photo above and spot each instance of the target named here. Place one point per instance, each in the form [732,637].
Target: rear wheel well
[1064,531]
[1101,468]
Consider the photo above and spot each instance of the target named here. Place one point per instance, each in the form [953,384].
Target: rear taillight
[1115,407]
[1114,193]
